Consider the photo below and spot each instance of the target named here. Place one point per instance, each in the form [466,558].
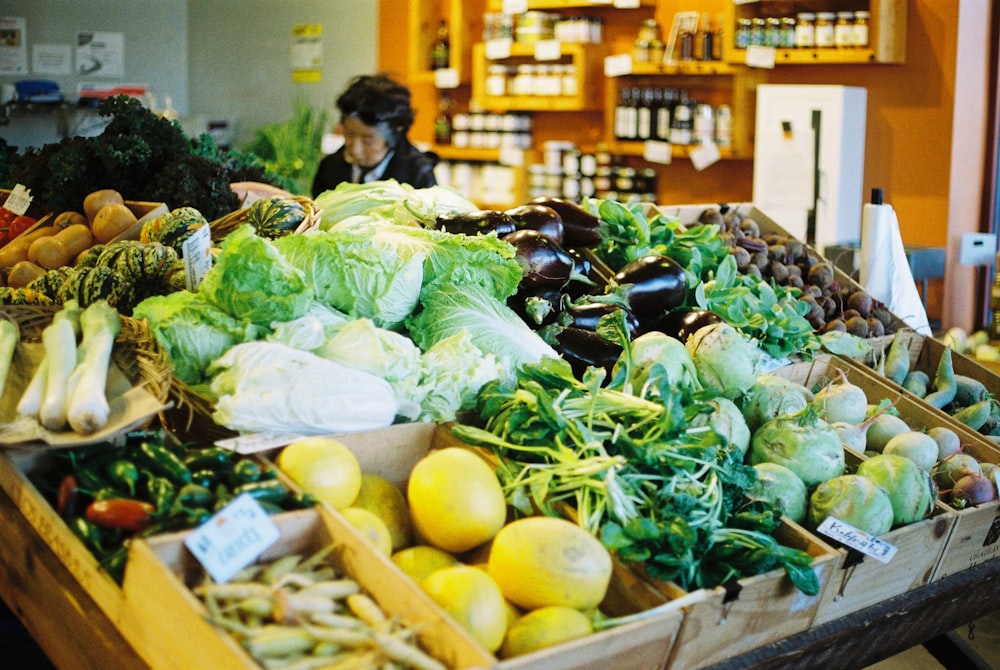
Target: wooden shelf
[626,148]
[497,5]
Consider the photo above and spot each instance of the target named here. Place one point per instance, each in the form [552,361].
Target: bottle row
[535,26]
[670,115]
[807,30]
[528,79]
[480,130]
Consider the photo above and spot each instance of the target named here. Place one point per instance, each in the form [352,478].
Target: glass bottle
[706,38]
[741,38]
[442,122]
[681,123]
[843,30]
[861,29]
[824,29]
[805,30]
[441,48]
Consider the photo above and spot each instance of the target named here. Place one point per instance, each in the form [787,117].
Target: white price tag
[625,4]
[703,155]
[197,251]
[514,6]
[511,156]
[446,78]
[617,65]
[233,538]
[251,444]
[655,151]
[867,544]
[548,50]
[498,48]
[760,56]
[19,200]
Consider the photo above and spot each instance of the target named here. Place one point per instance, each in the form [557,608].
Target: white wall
[216,59]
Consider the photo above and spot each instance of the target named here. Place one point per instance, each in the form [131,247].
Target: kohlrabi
[772,396]
[911,490]
[853,499]
[802,442]
[727,362]
[842,401]
[783,488]
[728,422]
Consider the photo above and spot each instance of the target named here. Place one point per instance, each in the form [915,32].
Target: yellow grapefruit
[371,526]
[542,628]
[323,467]
[386,501]
[473,600]
[456,502]
[541,561]
[421,560]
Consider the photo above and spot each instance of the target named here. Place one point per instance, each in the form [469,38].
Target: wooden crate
[392,452]
[718,624]
[856,585]
[166,620]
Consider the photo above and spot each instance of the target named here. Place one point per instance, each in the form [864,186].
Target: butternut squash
[62,248]
[16,250]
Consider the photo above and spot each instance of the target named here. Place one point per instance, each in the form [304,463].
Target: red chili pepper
[121,513]
[67,497]
[20,224]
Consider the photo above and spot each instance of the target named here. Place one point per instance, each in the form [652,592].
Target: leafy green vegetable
[492,326]
[252,281]
[292,148]
[193,331]
[390,201]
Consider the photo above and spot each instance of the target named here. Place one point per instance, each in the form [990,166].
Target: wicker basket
[230,222]
[190,417]
[135,353]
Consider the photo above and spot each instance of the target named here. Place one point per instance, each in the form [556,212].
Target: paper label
[251,444]
[625,4]
[446,78]
[867,544]
[19,200]
[617,65]
[548,50]
[197,251]
[233,538]
[655,151]
[514,6]
[760,56]
[703,155]
[498,48]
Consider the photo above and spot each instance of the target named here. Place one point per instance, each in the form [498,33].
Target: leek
[87,407]
[8,343]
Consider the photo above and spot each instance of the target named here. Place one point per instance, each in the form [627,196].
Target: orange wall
[914,121]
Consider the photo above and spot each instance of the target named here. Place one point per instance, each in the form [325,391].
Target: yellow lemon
[387,502]
[323,467]
[421,560]
[456,502]
[540,561]
[371,526]
[473,600]
[542,628]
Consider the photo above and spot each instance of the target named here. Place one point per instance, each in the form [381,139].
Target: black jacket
[408,165]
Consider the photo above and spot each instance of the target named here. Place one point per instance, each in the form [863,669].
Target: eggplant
[545,263]
[683,323]
[581,281]
[585,348]
[538,217]
[587,315]
[580,227]
[480,222]
[537,308]
[653,285]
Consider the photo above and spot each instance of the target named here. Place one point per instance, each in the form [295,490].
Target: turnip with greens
[804,443]
[972,490]
[727,421]
[919,447]
[911,490]
[842,401]
[782,488]
[727,362]
[773,396]
[853,499]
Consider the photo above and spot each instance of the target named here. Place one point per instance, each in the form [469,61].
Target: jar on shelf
[656,51]
[741,37]
[772,32]
[861,29]
[825,30]
[649,30]
[568,85]
[640,51]
[496,80]
[758,28]
[843,30]
[805,30]
[787,40]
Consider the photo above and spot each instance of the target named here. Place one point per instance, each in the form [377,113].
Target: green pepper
[191,496]
[246,470]
[207,477]
[210,458]
[124,474]
[89,533]
[269,490]
[163,462]
[161,493]
[197,516]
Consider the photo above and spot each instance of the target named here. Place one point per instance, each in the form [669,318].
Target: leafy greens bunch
[634,471]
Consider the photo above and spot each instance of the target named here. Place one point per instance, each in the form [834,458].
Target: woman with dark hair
[375,115]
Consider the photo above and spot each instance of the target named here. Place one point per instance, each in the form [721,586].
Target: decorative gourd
[88,258]
[275,216]
[172,228]
[101,282]
[22,296]
[50,283]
